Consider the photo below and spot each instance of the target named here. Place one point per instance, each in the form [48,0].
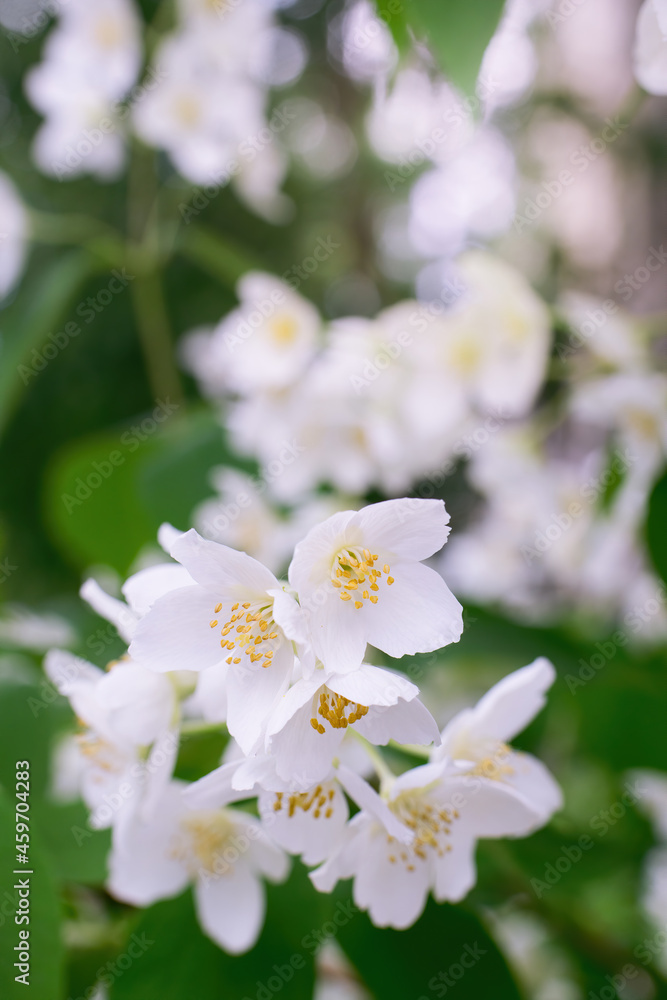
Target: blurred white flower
[650,52]
[266,343]
[23,629]
[124,711]
[224,852]
[13,235]
[91,60]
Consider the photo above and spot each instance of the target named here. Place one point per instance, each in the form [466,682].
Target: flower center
[355,574]
[108,32]
[320,800]
[283,329]
[431,825]
[493,766]
[333,708]
[250,627]
[203,840]
[187,110]
[101,754]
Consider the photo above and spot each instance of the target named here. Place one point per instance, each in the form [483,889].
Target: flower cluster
[215,637]
[86,86]
[91,60]
[385,401]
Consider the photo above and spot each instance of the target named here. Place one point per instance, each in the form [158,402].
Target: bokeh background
[394,138]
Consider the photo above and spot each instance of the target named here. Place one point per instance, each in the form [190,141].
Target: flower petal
[252,694]
[411,528]
[142,590]
[416,614]
[219,567]
[405,722]
[115,611]
[231,908]
[176,635]
[513,702]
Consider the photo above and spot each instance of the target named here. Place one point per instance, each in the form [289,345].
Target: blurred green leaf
[107,495]
[447,947]
[181,962]
[458,32]
[45,948]
[41,305]
[656,535]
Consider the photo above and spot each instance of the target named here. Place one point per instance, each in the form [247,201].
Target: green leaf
[448,944]
[107,495]
[181,962]
[656,536]
[457,31]
[40,308]
[45,949]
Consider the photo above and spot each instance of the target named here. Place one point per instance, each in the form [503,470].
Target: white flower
[443,815]
[476,739]
[237,618]
[305,731]
[264,344]
[650,53]
[224,852]
[497,337]
[91,59]
[13,235]
[125,711]
[360,577]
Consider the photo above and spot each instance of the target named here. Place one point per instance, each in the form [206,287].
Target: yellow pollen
[333,707]
[217,609]
[352,567]
[213,623]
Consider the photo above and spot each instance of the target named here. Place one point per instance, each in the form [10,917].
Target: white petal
[142,590]
[264,854]
[371,685]
[141,702]
[231,908]
[313,556]
[487,808]
[338,634]
[535,782]
[215,789]
[176,634]
[455,872]
[416,614]
[253,693]
[67,671]
[303,756]
[513,702]
[371,803]
[210,695]
[115,611]
[406,722]
[411,528]
[167,535]
[289,616]
[313,837]
[393,895]
[344,862]
[218,567]
[141,865]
